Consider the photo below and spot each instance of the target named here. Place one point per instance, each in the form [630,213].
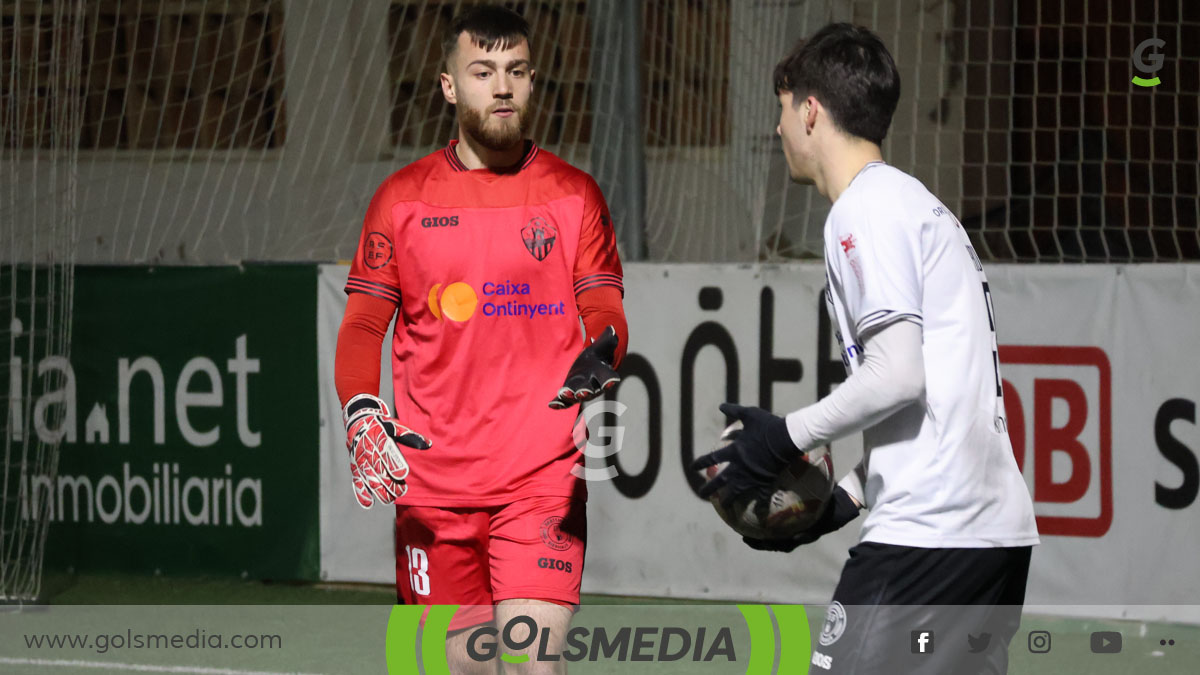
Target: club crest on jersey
[539,238]
[553,536]
[834,626]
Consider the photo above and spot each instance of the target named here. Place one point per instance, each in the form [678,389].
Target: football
[801,492]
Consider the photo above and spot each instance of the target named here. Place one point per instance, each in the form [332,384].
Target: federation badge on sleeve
[377,250]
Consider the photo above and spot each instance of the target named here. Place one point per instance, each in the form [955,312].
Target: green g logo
[1148,64]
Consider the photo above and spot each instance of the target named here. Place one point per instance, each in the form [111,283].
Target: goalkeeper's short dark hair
[489,27]
[847,69]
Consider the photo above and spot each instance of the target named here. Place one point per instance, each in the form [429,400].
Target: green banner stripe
[795,642]
[401,640]
[433,639]
[762,639]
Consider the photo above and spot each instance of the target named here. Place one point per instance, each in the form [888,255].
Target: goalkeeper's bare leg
[458,660]
[555,617]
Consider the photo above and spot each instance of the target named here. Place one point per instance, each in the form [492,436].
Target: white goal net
[38,233]
[220,131]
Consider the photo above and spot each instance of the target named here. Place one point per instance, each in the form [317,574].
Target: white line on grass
[135,667]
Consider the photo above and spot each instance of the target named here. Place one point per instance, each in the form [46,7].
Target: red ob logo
[1059,406]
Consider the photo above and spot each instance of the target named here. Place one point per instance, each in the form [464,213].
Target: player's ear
[448,92]
[810,113]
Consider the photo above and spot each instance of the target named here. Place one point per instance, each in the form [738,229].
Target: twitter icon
[978,644]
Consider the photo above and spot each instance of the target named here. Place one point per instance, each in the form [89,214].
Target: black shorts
[900,609]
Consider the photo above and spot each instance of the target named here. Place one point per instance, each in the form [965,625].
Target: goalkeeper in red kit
[491,250]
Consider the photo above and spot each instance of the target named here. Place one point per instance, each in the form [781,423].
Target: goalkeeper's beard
[495,133]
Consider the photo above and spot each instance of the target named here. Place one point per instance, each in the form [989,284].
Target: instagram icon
[1039,641]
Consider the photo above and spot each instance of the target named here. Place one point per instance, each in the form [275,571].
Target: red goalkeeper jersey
[484,267]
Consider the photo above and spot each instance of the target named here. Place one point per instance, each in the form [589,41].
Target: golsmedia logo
[751,639]
[459,301]
[641,643]
[1148,64]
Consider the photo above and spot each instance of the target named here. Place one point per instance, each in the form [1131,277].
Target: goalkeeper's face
[491,91]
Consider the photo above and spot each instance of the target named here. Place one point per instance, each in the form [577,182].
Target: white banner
[356,544]
[1102,401]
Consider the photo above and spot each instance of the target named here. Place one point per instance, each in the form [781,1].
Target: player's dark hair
[489,27]
[850,72]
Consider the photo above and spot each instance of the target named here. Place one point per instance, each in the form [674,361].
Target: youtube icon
[1106,642]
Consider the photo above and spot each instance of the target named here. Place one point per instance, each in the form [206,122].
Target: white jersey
[939,473]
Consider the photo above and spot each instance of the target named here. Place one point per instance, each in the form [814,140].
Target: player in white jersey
[950,519]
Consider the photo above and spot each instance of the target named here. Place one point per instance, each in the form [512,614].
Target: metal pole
[618,151]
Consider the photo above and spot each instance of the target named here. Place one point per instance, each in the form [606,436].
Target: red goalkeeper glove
[592,373]
[377,467]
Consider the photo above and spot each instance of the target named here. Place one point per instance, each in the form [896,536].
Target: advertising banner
[187,414]
[1102,415]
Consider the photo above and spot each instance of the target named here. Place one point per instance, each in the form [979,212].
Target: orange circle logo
[456,302]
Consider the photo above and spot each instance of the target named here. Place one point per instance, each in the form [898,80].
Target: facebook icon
[922,642]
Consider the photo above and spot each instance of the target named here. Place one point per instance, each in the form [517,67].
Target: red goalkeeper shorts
[531,549]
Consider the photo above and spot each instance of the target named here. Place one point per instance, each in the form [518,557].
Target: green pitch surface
[342,628]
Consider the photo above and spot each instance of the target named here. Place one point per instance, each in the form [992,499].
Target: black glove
[762,450]
[840,510]
[592,373]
